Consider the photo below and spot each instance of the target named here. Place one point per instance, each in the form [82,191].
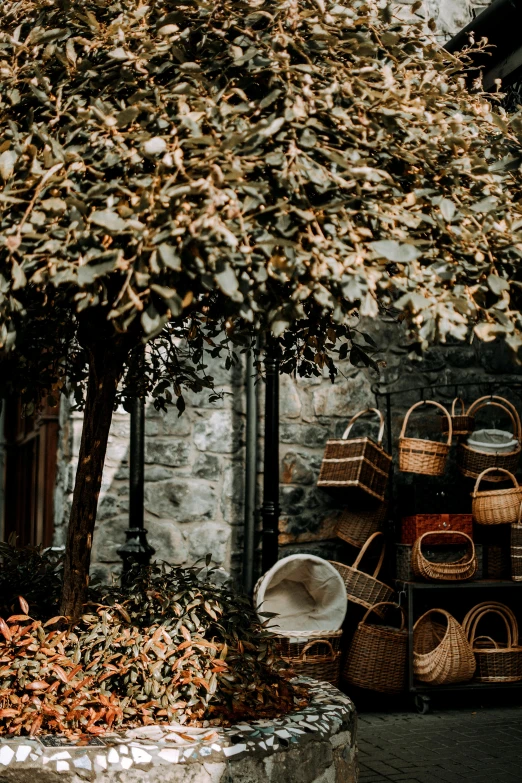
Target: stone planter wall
[314,745]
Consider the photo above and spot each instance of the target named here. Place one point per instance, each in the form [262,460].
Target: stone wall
[194,475]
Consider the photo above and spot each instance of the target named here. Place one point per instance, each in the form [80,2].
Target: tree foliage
[188,173]
[173,168]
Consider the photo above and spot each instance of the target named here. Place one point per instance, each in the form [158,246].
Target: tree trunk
[106,359]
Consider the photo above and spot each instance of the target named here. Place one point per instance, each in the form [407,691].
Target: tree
[188,173]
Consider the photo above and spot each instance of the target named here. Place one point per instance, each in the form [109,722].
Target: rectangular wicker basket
[356,462]
[415,526]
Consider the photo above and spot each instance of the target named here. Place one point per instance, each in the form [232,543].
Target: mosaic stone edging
[327,721]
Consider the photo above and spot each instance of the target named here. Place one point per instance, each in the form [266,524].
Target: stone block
[310,435]
[290,402]
[181,499]
[110,506]
[232,494]
[220,432]
[343,399]
[209,538]
[162,451]
[157,473]
[174,424]
[207,466]
[299,468]
[162,534]
[168,541]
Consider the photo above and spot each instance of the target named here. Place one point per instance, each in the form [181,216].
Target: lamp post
[136,549]
[270,509]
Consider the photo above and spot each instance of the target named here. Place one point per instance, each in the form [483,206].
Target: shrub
[33,572]
[171,646]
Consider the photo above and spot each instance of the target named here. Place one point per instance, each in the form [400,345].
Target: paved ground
[474,745]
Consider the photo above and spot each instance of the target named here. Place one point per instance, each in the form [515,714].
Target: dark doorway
[31,444]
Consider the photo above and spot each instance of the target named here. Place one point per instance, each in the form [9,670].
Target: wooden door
[31,444]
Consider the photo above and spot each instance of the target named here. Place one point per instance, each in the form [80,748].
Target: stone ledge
[316,744]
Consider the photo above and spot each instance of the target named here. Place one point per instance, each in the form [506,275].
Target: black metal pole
[136,549]
[270,508]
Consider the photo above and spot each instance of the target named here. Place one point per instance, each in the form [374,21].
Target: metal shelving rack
[408,591]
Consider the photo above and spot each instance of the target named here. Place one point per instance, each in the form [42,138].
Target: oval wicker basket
[424,456]
[442,654]
[471,461]
[460,570]
[496,506]
[496,661]
[362,588]
[377,656]
[462,422]
[316,654]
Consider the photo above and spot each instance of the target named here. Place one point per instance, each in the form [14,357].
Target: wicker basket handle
[443,612]
[509,629]
[496,470]
[488,400]
[363,413]
[437,405]
[463,411]
[365,548]
[514,424]
[386,603]
[494,644]
[491,605]
[306,649]
[449,533]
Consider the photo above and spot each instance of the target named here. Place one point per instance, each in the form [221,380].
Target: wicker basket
[356,527]
[438,554]
[357,462]
[362,588]
[471,462]
[516,548]
[496,661]
[460,570]
[441,652]
[497,562]
[377,656]
[496,506]
[415,526]
[462,422]
[424,456]
[316,654]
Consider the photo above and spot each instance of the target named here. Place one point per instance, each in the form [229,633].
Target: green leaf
[395,251]
[497,284]
[109,220]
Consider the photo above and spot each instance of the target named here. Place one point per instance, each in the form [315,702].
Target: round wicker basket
[472,461]
[496,661]
[496,506]
[424,456]
[442,654]
[462,422]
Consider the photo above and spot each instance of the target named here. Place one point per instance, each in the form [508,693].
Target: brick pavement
[482,745]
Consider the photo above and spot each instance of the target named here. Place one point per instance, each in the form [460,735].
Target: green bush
[33,572]
[169,646]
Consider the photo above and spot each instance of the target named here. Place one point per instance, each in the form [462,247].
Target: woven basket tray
[462,569]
